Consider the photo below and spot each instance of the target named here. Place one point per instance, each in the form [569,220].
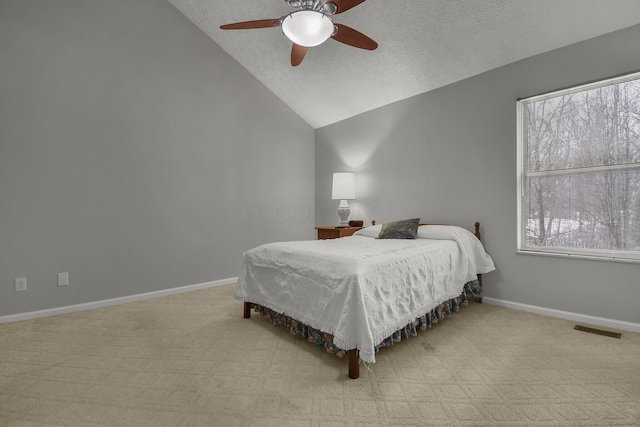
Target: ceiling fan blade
[344,5]
[249,25]
[297,54]
[348,35]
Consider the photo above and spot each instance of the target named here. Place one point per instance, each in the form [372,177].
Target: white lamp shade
[307,27]
[344,186]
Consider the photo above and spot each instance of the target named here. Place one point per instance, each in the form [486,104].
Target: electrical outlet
[21,284]
[63,279]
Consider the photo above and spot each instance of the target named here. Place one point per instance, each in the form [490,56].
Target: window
[579,171]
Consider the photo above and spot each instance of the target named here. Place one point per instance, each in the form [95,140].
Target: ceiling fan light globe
[307,27]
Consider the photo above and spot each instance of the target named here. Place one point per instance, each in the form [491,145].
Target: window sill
[578,256]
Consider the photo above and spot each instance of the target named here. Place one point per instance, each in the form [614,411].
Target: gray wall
[449,155]
[135,154]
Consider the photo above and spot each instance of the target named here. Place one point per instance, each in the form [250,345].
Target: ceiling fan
[310,25]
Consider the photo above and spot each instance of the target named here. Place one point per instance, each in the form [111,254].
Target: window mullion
[585,170]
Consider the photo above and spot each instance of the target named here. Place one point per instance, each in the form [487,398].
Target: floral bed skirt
[472,291]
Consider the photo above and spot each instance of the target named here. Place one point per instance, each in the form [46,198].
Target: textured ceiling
[423,45]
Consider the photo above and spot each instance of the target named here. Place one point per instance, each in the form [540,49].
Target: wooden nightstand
[333,232]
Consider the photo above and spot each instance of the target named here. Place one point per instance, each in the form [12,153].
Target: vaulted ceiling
[423,45]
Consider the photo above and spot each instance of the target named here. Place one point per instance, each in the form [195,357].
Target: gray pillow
[405,229]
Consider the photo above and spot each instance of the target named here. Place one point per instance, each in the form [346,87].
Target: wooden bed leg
[247,310]
[354,364]
[477,234]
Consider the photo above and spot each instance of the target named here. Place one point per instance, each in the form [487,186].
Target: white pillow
[481,262]
[372,231]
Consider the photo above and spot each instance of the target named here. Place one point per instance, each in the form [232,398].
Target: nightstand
[333,232]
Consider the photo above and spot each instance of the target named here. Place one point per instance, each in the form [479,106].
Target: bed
[357,293]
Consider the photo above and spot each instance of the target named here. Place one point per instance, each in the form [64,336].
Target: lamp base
[343,212]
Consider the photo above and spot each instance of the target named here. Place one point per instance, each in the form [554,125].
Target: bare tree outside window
[580,170]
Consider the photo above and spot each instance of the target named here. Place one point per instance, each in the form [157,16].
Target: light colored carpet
[192,360]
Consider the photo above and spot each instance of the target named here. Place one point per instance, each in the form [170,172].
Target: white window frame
[521,111]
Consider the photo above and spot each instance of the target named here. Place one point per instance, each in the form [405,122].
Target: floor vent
[598,331]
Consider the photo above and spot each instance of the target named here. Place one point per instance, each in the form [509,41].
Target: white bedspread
[361,289]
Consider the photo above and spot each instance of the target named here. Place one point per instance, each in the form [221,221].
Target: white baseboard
[112,301]
[575,317]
